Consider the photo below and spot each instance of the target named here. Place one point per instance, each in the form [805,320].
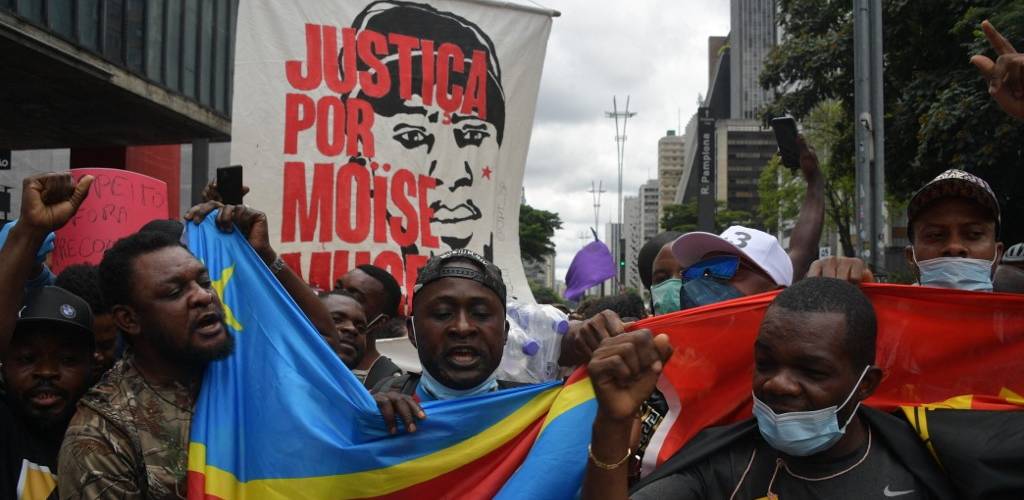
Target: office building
[671,155]
[753,35]
[649,219]
[97,84]
[633,240]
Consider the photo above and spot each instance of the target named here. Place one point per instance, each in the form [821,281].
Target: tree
[536,230]
[683,217]
[544,295]
[938,112]
[780,193]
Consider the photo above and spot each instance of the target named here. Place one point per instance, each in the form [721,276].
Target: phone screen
[229,184]
[785,136]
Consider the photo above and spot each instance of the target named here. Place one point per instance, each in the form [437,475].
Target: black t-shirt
[28,462]
[880,475]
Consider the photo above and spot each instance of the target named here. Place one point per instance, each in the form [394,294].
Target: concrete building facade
[753,35]
[649,205]
[736,100]
[117,84]
[671,156]
[633,235]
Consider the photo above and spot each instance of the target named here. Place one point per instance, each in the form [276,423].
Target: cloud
[653,51]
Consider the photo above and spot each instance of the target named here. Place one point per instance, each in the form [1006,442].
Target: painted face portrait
[457,151]
[450,128]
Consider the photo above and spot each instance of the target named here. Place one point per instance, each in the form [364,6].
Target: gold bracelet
[590,453]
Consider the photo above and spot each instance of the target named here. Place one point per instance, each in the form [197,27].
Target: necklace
[781,463]
[160,395]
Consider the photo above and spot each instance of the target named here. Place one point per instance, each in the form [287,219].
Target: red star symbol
[487,172]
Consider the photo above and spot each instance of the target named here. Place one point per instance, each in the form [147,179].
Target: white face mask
[955,272]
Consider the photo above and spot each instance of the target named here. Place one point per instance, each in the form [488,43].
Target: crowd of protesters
[102,364]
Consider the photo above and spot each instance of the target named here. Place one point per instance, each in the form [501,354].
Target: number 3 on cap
[742,237]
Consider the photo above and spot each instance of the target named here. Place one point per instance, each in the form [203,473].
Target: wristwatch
[277,265]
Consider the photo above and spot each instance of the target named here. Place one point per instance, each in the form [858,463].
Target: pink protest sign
[119,203]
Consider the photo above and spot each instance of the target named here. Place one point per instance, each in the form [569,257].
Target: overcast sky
[654,51]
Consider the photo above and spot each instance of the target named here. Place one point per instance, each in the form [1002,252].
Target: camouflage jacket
[128,439]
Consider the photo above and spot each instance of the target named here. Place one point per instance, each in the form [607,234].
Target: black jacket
[896,433]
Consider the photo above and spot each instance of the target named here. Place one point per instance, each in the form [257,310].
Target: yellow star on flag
[219,285]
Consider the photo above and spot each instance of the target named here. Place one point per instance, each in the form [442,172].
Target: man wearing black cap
[45,343]
[953,226]
[458,327]
[46,368]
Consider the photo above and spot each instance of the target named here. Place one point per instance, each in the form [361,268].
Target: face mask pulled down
[804,433]
[438,390]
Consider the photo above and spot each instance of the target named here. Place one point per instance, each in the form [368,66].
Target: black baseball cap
[434,270]
[955,183]
[55,305]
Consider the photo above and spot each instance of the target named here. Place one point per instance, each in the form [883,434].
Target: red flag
[959,349]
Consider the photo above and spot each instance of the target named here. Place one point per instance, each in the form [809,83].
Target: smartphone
[785,136]
[229,184]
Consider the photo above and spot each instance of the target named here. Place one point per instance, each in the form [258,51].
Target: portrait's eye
[470,136]
[411,138]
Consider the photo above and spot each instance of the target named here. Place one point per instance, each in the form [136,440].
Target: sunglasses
[723,267]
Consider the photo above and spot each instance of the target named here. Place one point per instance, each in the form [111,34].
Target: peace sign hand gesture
[1005,75]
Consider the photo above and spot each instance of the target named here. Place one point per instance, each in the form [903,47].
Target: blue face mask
[704,291]
[666,296]
[804,433]
[431,389]
[956,272]
[434,389]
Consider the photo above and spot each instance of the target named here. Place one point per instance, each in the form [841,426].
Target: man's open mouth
[43,398]
[463,356]
[209,325]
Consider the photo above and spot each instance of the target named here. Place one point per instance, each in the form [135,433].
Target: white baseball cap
[758,247]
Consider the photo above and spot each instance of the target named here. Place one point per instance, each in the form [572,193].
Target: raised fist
[48,201]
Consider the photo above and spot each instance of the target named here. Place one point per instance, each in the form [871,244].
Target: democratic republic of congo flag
[938,348]
[283,418]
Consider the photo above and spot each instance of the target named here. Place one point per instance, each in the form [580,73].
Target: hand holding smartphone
[229,184]
[785,136]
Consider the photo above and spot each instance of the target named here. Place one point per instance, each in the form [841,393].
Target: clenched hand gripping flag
[283,418]
[938,348]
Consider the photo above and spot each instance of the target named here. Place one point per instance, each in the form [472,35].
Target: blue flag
[282,417]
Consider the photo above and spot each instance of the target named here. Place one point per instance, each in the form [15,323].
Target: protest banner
[383,133]
[119,203]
